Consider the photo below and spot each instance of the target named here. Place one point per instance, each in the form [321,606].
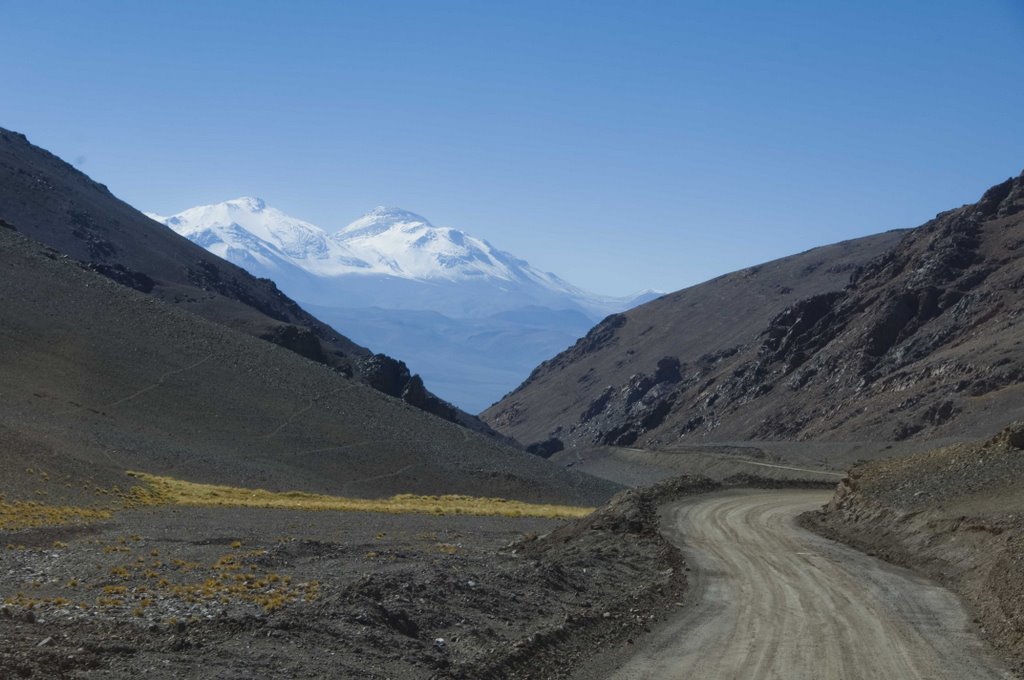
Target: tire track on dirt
[772,600]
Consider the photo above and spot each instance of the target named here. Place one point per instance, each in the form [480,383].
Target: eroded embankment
[621,539]
[954,514]
[625,539]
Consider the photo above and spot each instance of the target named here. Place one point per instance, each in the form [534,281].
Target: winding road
[772,600]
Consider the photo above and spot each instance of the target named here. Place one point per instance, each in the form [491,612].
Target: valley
[206,477]
[471,319]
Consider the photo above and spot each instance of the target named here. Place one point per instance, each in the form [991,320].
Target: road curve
[772,600]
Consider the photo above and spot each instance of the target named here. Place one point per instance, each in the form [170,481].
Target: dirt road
[771,600]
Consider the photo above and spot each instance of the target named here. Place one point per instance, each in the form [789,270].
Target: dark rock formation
[124,276]
[547,448]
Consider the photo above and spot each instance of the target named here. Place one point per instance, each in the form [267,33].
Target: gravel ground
[175,592]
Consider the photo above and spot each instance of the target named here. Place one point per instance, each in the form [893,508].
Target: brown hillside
[923,341]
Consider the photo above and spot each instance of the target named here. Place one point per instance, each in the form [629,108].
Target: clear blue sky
[621,145]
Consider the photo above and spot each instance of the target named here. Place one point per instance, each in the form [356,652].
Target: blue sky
[621,145]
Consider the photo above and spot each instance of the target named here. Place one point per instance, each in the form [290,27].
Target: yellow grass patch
[16,515]
[190,493]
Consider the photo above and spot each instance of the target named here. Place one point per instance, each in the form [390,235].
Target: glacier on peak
[385,217]
[250,203]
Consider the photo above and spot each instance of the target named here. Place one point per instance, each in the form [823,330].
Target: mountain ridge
[915,341]
[99,379]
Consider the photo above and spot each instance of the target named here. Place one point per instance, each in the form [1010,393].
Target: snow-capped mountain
[248,232]
[385,243]
[490,313]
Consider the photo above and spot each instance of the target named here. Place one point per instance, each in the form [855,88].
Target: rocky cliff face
[924,340]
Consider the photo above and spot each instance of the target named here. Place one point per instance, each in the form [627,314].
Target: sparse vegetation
[15,515]
[190,493]
[232,578]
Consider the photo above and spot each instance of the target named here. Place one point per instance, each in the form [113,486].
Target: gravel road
[772,600]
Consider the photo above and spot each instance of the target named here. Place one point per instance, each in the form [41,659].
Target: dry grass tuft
[15,515]
[210,495]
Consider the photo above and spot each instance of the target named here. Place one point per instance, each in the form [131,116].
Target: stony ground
[239,593]
[955,514]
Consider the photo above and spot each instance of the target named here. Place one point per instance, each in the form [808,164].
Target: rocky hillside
[880,339]
[97,379]
[50,201]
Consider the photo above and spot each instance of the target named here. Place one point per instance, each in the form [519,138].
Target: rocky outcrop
[124,276]
[392,377]
[619,417]
[299,340]
[546,448]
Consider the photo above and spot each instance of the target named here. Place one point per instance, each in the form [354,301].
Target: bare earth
[772,600]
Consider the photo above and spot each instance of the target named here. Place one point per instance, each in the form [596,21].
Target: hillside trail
[772,600]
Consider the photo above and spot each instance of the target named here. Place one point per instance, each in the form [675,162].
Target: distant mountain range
[902,335]
[473,320]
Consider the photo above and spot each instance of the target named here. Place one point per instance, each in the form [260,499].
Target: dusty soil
[771,600]
[955,514]
[239,593]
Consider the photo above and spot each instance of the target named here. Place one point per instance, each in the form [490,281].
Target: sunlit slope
[909,337]
[699,326]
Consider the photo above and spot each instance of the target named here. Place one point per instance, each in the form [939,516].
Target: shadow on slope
[52,202]
[97,378]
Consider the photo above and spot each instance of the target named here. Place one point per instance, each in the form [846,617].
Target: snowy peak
[370,253]
[247,212]
[245,228]
[247,203]
[409,246]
